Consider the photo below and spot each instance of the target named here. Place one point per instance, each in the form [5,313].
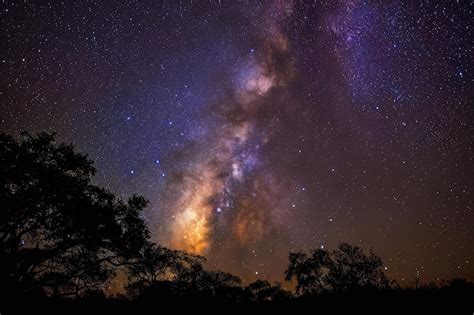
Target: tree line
[62,236]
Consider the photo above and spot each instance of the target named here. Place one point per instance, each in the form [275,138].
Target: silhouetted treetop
[346,268]
[58,231]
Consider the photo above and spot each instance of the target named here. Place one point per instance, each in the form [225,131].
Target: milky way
[256,128]
[208,187]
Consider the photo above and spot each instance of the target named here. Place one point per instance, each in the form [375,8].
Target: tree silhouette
[346,268]
[59,232]
[158,264]
[174,273]
[193,279]
[351,269]
[63,236]
[309,270]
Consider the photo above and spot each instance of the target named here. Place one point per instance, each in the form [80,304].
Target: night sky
[258,128]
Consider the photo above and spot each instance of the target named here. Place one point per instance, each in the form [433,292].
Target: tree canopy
[58,231]
[346,268]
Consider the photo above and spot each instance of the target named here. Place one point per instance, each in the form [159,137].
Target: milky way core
[210,185]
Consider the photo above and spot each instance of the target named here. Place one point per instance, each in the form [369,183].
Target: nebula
[210,185]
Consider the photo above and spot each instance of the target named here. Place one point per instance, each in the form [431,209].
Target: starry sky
[256,128]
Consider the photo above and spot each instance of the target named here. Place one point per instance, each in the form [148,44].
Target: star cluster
[258,128]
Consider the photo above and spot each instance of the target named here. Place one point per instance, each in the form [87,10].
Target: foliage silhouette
[58,231]
[346,268]
[264,291]
[154,264]
[62,239]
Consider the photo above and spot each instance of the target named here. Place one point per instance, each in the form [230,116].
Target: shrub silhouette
[263,290]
